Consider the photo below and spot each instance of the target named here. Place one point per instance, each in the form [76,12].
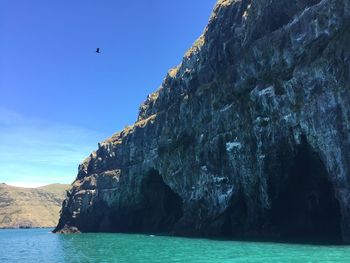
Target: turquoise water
[38,245]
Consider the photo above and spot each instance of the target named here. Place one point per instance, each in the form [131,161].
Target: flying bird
[98,50]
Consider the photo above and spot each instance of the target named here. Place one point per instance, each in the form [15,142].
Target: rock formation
[31,207]
[248,137]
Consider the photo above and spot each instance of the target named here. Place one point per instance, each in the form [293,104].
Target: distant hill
[31,207]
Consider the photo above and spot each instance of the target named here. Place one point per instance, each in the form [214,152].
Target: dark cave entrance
[235,218]
[306,207]
[161,206]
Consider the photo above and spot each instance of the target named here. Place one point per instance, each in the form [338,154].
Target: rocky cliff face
[248,137]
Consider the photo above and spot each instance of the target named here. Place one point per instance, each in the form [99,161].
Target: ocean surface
[39,245]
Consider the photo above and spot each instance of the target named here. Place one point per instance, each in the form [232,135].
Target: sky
[58,98]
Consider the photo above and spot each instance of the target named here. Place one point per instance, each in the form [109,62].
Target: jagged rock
[247,137]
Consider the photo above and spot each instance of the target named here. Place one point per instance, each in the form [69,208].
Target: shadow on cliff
[304,207]
[159,210]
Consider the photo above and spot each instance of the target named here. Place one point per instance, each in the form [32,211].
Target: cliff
[248,137]
[31,207]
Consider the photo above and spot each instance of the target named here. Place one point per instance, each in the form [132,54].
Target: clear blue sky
[58,98]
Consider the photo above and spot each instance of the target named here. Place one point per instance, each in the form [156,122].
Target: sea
[40,245]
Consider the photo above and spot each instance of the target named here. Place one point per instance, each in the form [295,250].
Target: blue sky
[58,98]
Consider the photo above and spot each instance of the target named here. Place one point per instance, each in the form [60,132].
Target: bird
[98,50]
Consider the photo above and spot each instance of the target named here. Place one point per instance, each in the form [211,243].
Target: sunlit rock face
[249,137]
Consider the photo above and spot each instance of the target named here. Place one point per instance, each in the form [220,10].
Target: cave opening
[306,208]
[235,217]
[161,206]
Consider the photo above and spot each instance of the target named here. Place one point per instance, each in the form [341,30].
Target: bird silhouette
[98,50]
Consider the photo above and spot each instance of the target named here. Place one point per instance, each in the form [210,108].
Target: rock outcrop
[248,137]
[31,207]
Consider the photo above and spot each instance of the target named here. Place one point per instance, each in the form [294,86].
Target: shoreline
[23,227]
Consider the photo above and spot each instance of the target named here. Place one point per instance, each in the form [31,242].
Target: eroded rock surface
[247,137]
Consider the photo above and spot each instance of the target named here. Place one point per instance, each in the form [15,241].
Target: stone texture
[247,137]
